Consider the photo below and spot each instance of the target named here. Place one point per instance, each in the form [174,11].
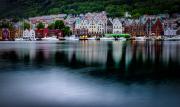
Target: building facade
[93,23]
[153,24]
[117,26]
[135,28]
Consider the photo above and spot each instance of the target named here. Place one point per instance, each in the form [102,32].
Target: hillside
[26,8]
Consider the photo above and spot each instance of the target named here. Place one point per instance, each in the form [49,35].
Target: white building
[170,32]
[29,35]
[117,26]
[95,23]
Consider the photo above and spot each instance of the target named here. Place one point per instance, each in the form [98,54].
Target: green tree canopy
[59,24]
[40,26]
[66,31]
[26,25]
[6,24]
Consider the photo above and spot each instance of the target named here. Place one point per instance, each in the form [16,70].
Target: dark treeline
[114,8]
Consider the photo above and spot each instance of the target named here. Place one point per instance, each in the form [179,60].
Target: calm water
[90,74]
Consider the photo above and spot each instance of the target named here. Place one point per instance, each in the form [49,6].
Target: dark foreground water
[90,74]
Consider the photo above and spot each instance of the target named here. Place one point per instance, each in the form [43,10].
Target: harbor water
[90,74]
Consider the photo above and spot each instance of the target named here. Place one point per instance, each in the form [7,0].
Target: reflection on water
[144,59]
[89,73]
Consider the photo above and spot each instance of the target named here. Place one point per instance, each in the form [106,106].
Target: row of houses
[147,25]
[8,34]
[98,24]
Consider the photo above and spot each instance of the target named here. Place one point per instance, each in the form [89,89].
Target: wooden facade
[154,27]
[157,28]
[135,30]
[8,34]
[41,33]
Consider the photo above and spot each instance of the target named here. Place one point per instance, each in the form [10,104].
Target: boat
[84,37]
[25,39]
[107,38]
[73,37]
[62,38]
[52,38]
[19,39]
[122,39]
[140,38]
[91,38]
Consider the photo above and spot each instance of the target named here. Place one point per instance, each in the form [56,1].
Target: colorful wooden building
[135,29]
[41,33]
[157,28]
[154,27]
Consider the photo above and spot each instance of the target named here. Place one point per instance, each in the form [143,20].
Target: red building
[154,27]
[41,33]
[157,28]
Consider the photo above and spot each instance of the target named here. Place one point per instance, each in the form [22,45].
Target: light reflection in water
[114,56]
[90,73]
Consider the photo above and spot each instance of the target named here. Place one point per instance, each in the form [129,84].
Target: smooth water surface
[90,74]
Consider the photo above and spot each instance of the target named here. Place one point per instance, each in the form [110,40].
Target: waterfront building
[98,24]
[32,34]
[117,26]
[170,32]
[153,25]
[8,34]
[157,28]
[44,33]
[94,23]
[5,34]
[170,27]
[29,34]
[81,27]
[134,27]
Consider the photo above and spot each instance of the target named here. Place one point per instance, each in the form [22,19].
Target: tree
[59,24]
[6,24]
[40,26]
[54,10]
[66,30]
[115,8]
[26,25]
[136,15]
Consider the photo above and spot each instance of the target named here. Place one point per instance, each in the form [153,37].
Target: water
[90,74]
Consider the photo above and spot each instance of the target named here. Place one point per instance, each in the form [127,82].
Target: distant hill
[114,8]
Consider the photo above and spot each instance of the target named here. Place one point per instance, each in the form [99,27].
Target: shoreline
[140,38]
